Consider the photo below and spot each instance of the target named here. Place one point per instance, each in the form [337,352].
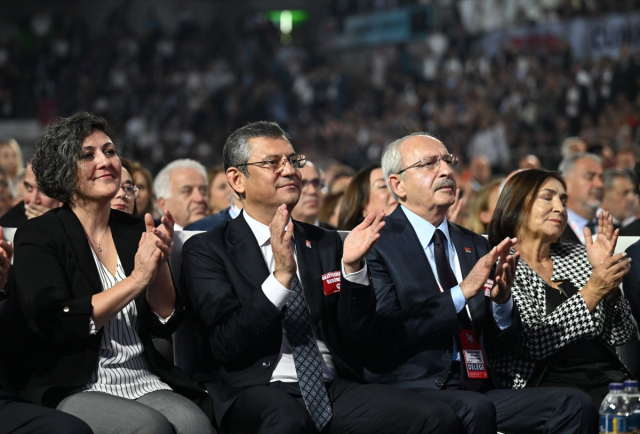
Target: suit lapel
[463,244]
[243,248]
[310,271]
[80,247]
[403,238]
[126,242]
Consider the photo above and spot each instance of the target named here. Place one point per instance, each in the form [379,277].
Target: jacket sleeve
[51,308]
[617,323]
[236,328]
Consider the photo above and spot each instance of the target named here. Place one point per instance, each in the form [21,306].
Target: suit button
[439,383]
[65,309]
[266,364]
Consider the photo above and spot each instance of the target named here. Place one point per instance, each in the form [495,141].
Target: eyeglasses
[277,166]
[316,183]
[433,163]
[130,191]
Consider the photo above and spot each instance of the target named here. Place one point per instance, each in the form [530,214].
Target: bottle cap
[630,383]
[616,386]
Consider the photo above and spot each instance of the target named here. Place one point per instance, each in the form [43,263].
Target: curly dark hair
[55,161]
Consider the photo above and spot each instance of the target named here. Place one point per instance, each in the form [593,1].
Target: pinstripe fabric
[122,367]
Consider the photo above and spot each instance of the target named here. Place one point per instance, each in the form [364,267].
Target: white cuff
[165,320]
[359,277]
[276,292]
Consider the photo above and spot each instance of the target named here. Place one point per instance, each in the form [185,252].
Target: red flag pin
[467,249]
[308,243]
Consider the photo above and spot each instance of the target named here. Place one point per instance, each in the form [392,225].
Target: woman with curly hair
[101,289]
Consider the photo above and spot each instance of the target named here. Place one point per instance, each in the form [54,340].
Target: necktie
[447,281]
[593,226]
[306,358]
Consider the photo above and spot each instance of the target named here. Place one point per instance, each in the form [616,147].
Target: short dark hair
[55,161]
[516,200]
[236,149]
[355,197]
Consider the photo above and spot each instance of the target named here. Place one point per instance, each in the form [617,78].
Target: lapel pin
[308,243]
[467,249]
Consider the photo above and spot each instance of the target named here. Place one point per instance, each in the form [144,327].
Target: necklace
[103,234]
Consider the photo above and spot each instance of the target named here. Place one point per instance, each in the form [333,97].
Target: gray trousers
[161,412]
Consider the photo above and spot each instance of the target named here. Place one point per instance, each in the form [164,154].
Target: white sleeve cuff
[165,320]
[503,313]
[359,277]
[92,327]
[276,292]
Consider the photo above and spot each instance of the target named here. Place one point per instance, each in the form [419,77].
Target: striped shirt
[122,369]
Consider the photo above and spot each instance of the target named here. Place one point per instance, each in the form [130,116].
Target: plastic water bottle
[633,395]
[614,411]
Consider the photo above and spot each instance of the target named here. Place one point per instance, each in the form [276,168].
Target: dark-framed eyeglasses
[276,166]
[316,183]
[433,163]
[130,191]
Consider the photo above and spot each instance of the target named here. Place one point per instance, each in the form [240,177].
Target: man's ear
[396,183]
[162,203]
[236,180]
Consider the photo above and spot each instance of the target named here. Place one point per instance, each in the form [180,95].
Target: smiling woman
[102,288]
[572,311]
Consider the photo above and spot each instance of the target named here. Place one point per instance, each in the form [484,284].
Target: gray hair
[392,158]
[162,183]
[56,159]
[611,174]
[237,150]
[568,162]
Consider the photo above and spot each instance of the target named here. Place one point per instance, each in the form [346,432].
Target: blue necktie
[306,358]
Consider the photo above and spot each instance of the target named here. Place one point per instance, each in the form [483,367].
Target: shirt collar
[234,211]
[260,230]
[424,229]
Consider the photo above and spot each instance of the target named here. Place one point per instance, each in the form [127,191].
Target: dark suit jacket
[569,236]
[223,271]
[631,282]
[406,287]
[14,217]
[56,277]
[210,222]
[632,229]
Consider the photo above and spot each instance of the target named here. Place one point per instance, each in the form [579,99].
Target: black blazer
[55,278]
[406,288]
[223,271]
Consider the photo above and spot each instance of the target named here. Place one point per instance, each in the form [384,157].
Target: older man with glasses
[286,307]
[308,208]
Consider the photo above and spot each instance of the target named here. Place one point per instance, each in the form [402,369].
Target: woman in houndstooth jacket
[571,310]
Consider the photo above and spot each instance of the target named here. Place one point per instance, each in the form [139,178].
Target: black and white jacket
[542,335]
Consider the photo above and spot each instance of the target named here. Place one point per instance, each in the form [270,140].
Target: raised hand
[163,233]
[147,259]
[34,210]
[281,234]
[605,279]
[360,240]
[475,280]
[504,278]
[454,210]
[605,244]
[6,252]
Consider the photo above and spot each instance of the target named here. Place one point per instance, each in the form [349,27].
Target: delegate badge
[473,357]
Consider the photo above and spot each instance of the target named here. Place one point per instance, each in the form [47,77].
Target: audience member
[572,145]
[35,202]
[210,222]
[482,206]
[296,370]
[6,197]
[125,198]
[219,191]
[626,159]
[572,311]
[631,282]
[19,417]
[145,202]
[452,321]
[330,209]
[480,170]
[633,228]
[181,189]
[17,189]
[102,287]
[367,192]
[308,208]
[11,158]
[619,197]
[529,162]
[340,180]
[583,175]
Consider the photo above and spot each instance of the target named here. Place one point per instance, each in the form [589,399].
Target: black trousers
[21,418]
[518,411]
[357,408]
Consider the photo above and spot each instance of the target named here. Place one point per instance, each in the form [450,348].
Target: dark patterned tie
[593,226]
[447,281]
[307,358]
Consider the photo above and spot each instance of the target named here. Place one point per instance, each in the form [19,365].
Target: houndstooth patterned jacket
[542,335]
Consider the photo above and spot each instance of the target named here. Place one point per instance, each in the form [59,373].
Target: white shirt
[279,295]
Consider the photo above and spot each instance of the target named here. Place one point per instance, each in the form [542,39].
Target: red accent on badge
[331,282]
[467,249]
[308,244]
[488,286]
